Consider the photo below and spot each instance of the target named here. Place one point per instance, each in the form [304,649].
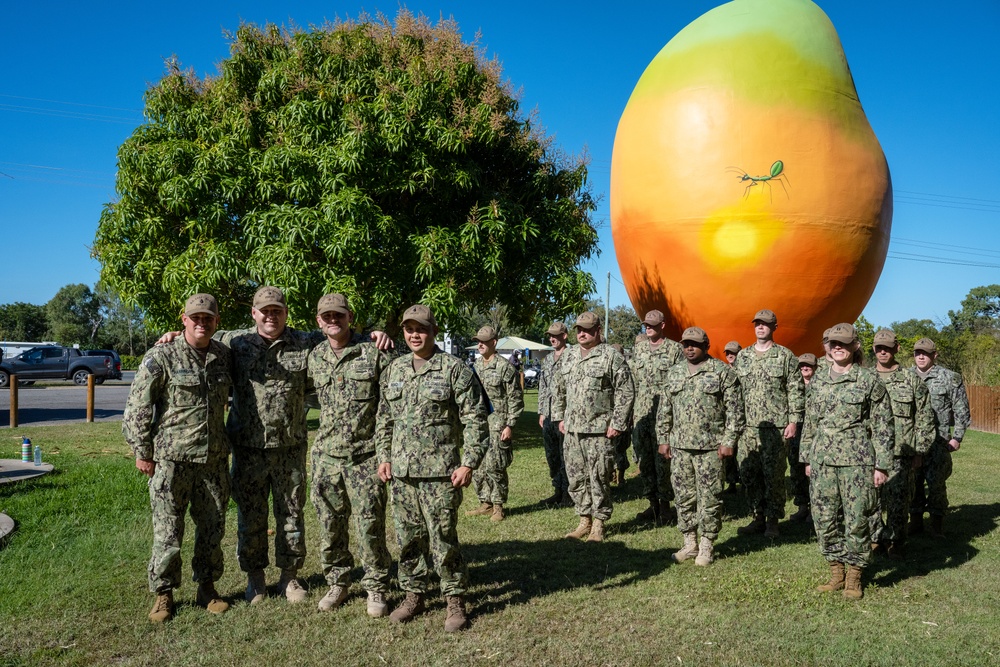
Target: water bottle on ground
[25,450]
[38,455]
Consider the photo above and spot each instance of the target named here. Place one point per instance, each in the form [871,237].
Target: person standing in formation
[951,418]
[847,445]
[552,438]
[593,405]
[774,395]
[797,469]
[699,421]
[652,357]
[731,463]
[914,420]
[502,383]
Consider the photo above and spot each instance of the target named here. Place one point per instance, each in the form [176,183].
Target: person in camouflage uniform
[173,422]
[551,437]
[700,418]
[502,383]
[797,469]
[731,464]
[622,442]
[847,445]
[593,405]
[652,357]
[951,418]
[345,373]
[774,396]
[914,420]
[430,406]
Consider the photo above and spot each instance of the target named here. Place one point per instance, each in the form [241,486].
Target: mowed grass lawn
[73,583]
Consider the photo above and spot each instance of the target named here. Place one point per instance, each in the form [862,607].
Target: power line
[933,260]
[74,115]
[986,253]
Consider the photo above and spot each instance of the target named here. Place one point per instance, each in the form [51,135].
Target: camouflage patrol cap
[885,337]
[733,346]
[842,333]
[557,329]
[201,303]
[654,318]
[332,302]
[766,316]
[926,345]
[807,359]
[421,314]
[695,335]
[269,296]
[587,320]
[485,334]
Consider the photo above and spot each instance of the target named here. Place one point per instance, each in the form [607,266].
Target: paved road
[65,403]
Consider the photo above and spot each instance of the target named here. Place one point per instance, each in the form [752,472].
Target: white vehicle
[12,348]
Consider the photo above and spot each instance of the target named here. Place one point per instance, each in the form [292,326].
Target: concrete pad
[15,470]
[6,527]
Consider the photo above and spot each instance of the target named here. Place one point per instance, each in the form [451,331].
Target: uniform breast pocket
[291,369]
[710,384]
[185,388]
[902,401]
[775,371]
[435,398]
[363,383]
[851,406]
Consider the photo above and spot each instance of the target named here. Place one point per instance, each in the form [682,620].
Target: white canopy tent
[508,344]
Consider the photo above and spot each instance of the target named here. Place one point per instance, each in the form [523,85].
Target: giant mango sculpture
[745,175]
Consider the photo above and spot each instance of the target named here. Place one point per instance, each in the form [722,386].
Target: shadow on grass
[926,554]
[513,572]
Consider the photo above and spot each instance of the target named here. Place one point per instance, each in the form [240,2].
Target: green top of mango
[762,50]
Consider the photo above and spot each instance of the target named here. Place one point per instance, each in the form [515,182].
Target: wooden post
[90,398]
[13,401]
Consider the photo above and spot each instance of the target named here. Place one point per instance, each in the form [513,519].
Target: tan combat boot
[256,587]
[333,598]
[582,530]
[163,607]
[482,510]
[376,606]
[411,606]
[689,550]
[596,531]
[290,587]
[836,579]
[210,599]
[755,527]
[497,513]
[706,552]
[852,583]
[455,620]
[771,529]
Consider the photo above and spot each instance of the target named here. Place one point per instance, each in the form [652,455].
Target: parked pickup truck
[52,362]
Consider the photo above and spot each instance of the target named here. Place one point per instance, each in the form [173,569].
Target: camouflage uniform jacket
[425,415]
[502,383]
[949,401]
[773,391]
[649,365]
[348,392]
[269,387]
[547,382]
[593,391]
[701,410]
[177,402]
[840,414]
[911,411]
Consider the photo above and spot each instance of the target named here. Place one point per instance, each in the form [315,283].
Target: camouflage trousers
[654,470]
[935,472]
[843,502]
[553,441]
[346,489]
[894,499]
[490,479]
[280,474]
[425,513]
[797,472]
[621,445]
[174,487]
[590,461]
[697,478]
[762,456]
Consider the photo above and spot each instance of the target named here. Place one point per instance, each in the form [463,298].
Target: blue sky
[927,75]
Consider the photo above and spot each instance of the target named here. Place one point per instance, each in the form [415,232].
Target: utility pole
[607,309]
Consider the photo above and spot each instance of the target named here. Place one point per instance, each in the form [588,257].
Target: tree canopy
[74,315]
[387,161]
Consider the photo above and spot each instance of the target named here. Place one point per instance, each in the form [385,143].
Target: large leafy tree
[22,322]
[386,161]
[74,315]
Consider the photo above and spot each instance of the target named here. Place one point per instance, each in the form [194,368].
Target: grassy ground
[73,591]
